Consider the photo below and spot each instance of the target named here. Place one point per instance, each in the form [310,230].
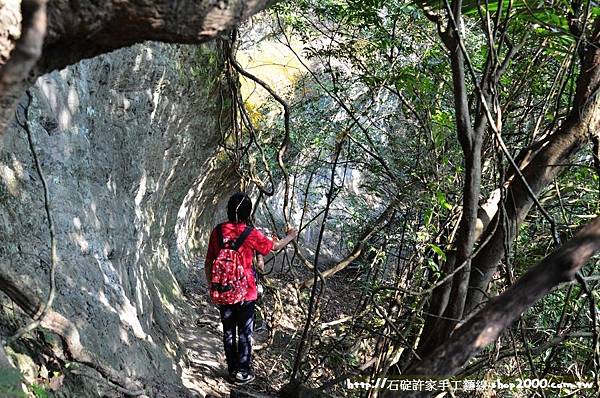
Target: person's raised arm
[291,235]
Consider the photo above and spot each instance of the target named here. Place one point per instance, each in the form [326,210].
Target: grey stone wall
[127,143]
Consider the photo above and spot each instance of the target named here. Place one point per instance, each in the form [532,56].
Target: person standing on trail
[231,281]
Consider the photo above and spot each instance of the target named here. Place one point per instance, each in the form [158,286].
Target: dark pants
[238,322]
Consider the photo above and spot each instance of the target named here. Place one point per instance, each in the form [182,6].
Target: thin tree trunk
[471,140]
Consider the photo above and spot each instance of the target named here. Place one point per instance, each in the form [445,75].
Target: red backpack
[229,284]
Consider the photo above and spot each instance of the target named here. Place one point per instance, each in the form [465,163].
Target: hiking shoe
[244,376]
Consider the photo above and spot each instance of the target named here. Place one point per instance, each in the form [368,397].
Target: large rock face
[126,142]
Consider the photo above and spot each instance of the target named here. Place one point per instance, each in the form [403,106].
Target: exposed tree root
[68,332]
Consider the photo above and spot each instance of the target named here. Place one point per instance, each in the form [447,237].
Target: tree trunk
[540,172]
[540,165]
[79,29]
[500,312]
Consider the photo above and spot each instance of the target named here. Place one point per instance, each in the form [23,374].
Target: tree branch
[359,247]
[541,171]
[85,28]
[43,310]
[27,51]
[555,341]
[501,311]
[316,273]
[56,323]
[286,123]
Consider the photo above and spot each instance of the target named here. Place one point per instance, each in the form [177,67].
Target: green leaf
[441,198]
[433,266]
[428,217]
[438,251]
[39,391]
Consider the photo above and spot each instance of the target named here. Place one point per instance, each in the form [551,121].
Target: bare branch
[57,323]
[501,311]
[286,122]
[316,273]
[359,247]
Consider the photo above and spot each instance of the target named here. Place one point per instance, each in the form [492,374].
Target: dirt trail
[200,332]
[205,372]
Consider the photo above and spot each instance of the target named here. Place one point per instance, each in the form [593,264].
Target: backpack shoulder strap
[220,235]
[238,243]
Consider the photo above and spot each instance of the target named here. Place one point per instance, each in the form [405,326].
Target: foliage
[378,88]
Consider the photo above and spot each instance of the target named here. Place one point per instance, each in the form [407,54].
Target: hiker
[231,281]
